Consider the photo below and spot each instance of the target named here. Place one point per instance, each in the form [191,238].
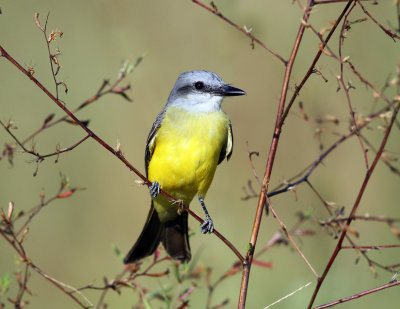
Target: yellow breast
[186,153]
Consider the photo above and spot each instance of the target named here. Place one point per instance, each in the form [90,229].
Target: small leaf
[66,194]
[84,122]
[353,232]
[308,213]
[395,278]
[64,181]
[124,95]
[146,303]
[303,232]
[5,283]
[117,251]
[394,230]
[263,264]
[176,273]
[373,270]
[138,61]
[48,119]
[123,283]
[10,211]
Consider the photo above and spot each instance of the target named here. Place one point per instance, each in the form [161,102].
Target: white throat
[204,103]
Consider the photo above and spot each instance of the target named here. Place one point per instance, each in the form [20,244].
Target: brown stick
[270,162]
[355,206]
[247,33]
[340,301]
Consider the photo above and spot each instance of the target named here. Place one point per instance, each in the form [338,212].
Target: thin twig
[388,32]
[284,229]
[375,247]
[347,63]
[21,252]
[36,154]
[243,30]
[288,295]
[343,300]
[117,280]
[250,155]
[43,30]
[311,69]
[35,210]
[49,122]
[346,89]
[307,172]
[363,218]
[355,206]
[331,1]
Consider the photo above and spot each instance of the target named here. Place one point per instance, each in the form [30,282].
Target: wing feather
[226,151]
[151,140]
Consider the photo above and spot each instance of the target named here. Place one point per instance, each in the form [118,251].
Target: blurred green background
[71,239]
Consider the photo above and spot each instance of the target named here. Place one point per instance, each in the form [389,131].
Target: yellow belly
[186,153]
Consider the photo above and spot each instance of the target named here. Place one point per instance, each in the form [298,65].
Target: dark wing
[227,149]
[151,139]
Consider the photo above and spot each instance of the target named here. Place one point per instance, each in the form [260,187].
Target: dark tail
[175,238]
[173,234]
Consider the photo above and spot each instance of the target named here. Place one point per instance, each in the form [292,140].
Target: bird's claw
[155,189]
[207,226]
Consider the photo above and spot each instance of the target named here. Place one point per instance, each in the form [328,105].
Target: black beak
[228,91]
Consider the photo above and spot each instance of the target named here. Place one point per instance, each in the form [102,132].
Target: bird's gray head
[200,91]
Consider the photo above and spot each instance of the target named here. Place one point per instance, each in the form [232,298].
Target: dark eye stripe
[185,89]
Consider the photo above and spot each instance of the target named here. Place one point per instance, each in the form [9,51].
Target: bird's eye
[199,85]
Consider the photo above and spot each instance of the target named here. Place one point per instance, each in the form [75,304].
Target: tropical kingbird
[189,138]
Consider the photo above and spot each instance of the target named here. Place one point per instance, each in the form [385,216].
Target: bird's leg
[155,189]
[180,206]
[207,226]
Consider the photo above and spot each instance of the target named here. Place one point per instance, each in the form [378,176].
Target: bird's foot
[155,189]
[180,206]
[207,226]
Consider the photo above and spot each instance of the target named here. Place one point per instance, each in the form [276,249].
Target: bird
[188,139]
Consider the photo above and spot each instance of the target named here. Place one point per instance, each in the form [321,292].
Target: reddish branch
[346,63]
[119,281]
[364,218]
[311,69]
[371,247]
[347,88]
[246,32]
[343,300]
[11,237]
[39,157]
[270,162]
[388,32]
[332,1]
[49,122]
[355,206]
[305,174]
